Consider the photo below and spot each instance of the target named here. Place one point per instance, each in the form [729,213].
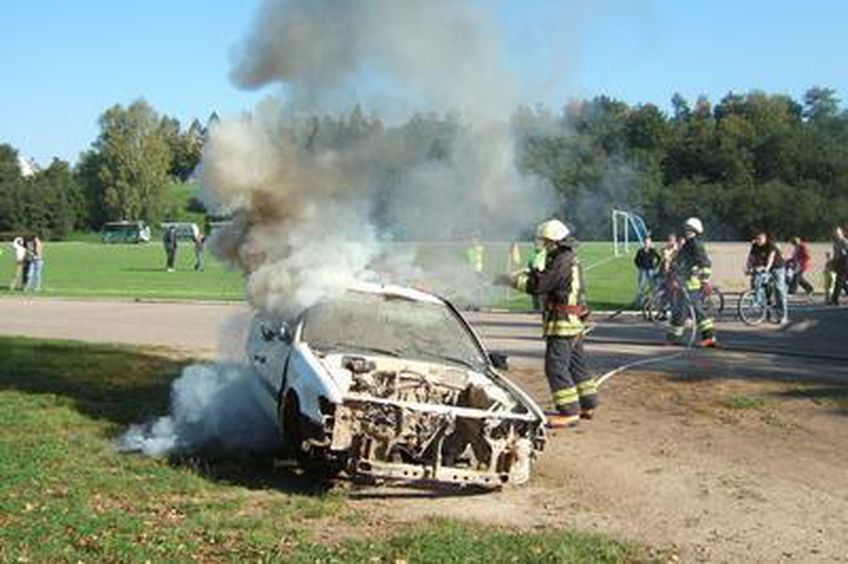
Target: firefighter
[560,284]
[475,254]
[693,266]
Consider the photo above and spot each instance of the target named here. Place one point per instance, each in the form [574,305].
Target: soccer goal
[626,227]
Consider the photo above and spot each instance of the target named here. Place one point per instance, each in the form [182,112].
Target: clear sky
[64,62]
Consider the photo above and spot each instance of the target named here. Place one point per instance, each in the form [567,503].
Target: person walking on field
[800,265]
[199,248]
[647,262]
[169,240]
[574,390]
[19,255]
[840,264]
[35,268]
[694,267]
[764,259]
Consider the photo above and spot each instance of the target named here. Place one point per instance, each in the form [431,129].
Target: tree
[185,146]
[820,103]
[10,189]
[127,171]
[49,202]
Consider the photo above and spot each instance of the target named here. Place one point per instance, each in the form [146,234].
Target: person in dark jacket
[560,284]
[693,266]
[840,264]
[169,241]
[647,261]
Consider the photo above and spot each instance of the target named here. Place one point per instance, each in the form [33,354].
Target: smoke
[313,196]
[212,407]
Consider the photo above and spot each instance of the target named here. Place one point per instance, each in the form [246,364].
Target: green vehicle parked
[125,232]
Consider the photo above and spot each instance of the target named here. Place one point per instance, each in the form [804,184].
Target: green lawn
[67,495]
[91,269]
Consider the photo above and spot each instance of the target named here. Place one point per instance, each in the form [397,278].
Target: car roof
[396,291]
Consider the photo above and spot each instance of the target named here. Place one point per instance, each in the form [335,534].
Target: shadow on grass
[117,384]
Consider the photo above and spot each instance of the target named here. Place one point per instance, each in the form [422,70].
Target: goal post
[625,224]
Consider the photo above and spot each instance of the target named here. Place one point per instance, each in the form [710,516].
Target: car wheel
[291,424]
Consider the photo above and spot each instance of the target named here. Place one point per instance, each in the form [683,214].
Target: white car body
[389,415]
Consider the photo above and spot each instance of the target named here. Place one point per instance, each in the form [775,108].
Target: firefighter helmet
[694,224]
[552,230]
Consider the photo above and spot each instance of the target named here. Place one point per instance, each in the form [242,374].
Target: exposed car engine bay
[432,422]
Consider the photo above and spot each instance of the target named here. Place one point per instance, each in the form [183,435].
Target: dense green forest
[751,161]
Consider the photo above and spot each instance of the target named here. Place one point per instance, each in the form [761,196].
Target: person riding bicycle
[694,268]
[765,260]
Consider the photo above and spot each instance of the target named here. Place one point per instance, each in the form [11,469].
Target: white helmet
[552,230]
[694,224]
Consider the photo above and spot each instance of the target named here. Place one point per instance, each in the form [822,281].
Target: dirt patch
[710,470]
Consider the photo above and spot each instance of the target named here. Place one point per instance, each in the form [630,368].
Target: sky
[65,62]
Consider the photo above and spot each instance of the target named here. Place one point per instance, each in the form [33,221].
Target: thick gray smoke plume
[312,206]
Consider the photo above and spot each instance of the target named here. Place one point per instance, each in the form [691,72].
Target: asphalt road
[813,346]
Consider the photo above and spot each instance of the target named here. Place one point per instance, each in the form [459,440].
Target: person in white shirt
[19,254]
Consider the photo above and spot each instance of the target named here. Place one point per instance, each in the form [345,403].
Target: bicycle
[760,302]
[712,298]
[658,305]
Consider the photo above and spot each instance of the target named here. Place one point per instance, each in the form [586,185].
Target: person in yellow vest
[560,284]
[475,253]
[536,261]
[514,258]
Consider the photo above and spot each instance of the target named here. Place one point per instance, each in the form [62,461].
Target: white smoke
[212,407]
[313,201]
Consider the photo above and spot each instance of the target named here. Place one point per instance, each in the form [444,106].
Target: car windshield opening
[397,327]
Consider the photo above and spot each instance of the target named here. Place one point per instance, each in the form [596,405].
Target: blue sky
[64,62]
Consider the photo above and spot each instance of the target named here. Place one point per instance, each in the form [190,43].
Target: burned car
[391,383]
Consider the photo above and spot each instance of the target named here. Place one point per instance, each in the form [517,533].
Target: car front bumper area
[386,439]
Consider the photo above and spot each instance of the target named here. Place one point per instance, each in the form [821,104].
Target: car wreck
[390,383]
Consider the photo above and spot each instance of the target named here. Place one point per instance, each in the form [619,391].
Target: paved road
[813,346]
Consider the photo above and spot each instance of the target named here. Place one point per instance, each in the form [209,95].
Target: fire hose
[641,362]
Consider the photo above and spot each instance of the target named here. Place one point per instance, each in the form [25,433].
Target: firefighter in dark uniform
[693,266]
[560,285]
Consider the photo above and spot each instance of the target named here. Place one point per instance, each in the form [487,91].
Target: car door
[268,349]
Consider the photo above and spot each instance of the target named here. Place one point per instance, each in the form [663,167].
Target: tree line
[125,175]
[748,162]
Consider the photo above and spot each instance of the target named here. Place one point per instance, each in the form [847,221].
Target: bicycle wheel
[655,307]
[690,324]
[752,310]
[718,301]
[686,313]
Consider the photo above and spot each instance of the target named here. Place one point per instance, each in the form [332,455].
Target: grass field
[67,495]
[91,269]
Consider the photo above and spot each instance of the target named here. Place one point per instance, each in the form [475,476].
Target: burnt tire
[291,425]
[316,462]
